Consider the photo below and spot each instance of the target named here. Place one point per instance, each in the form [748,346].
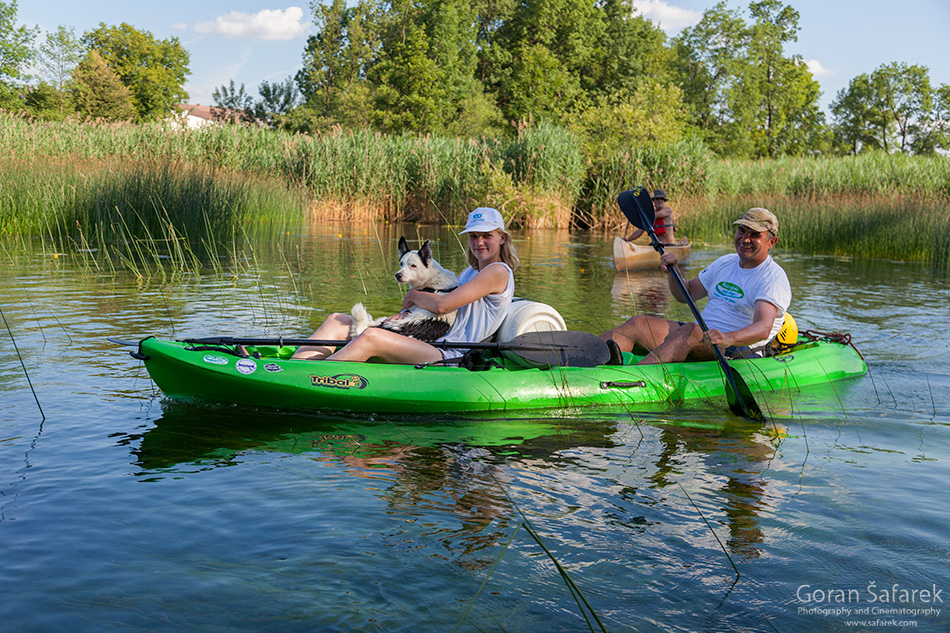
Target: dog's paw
[361,320]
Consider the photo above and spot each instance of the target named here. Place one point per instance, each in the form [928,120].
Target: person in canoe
[748,296]
[482,299]
[663,225]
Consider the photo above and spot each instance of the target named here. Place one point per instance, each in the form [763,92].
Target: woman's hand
[397,316]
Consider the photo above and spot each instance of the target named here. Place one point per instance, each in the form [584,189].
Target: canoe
[633,256]
[215,373]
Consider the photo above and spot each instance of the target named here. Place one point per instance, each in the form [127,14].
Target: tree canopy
[16,51]
[153,70]
[484,67]
[100,93]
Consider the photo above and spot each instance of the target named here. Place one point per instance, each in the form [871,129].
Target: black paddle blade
[556,348]
[632,205]
[740,397]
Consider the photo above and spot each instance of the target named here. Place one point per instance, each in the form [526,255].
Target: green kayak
[267,377]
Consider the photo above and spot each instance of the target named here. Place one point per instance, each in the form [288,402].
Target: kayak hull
[211,373]
[633,256]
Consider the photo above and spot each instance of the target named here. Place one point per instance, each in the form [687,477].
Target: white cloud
[264,25]
[817,70]
[179,26]
[669,18]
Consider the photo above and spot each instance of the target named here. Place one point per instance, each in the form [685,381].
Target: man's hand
[717,338]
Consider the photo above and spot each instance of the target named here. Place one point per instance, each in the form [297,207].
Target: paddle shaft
[745,406]
[512,345]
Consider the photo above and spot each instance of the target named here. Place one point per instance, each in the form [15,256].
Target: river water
[121,511]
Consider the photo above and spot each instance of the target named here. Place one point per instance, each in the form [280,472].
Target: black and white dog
[421,272]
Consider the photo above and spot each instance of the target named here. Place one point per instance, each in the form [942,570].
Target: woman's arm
[492,280]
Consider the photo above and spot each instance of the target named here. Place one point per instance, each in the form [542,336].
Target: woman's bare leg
[335,328]
[389,346]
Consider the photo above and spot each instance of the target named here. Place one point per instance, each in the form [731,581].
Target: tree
[905,94]
[651,117]
[743,92]
[46,102]
[234,105]
[99,93]
[632,50]
[892,108]
[154,70]
[277,99]
[708,57]
[934,131]
[544,56]
[232,98]
[16,51]
[338,56]
[859,116]
[58,57]
[774,89]
[407,82]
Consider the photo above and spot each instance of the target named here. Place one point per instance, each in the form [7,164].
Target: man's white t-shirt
[733,291]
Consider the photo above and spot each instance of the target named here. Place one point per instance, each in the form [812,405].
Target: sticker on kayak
[246,366]
[784,358]
[213,359]
[340,381]
[273,368]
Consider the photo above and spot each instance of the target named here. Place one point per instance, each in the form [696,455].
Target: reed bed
[907,227]
[404,178]
[143,217]
[200,181]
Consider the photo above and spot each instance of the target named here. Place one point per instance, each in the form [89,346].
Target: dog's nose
[398,276]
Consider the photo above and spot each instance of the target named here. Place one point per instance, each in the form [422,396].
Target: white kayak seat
[528,316]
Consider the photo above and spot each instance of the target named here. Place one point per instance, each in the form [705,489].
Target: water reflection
[642,292]
[456,467]
[729,464]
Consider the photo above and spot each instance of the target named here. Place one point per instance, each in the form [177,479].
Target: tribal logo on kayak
[340,381]
[728,291]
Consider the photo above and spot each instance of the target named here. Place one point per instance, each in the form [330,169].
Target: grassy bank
[118,213]
[906,227]
[120,183]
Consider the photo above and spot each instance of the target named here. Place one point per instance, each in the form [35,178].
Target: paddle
[564,348]
[637,205]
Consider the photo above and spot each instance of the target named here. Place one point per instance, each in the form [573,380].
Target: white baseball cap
[484,220]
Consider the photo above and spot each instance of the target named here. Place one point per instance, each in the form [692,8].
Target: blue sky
[253,40]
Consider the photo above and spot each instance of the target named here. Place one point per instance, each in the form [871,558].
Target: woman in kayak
[482,299]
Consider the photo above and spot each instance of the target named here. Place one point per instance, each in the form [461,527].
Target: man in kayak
[482,299]
[663,225]
[748,295]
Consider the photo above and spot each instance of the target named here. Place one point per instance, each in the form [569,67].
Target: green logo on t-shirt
[727,290]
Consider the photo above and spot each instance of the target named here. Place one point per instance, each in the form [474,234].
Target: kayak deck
[269,378]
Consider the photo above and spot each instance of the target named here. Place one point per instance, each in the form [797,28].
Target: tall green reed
[135,215]
[537,178]
[912,227]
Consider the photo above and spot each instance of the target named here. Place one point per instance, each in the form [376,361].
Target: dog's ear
[425,253]
[403,247]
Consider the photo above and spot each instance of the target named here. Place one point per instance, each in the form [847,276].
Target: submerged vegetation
[139,191]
